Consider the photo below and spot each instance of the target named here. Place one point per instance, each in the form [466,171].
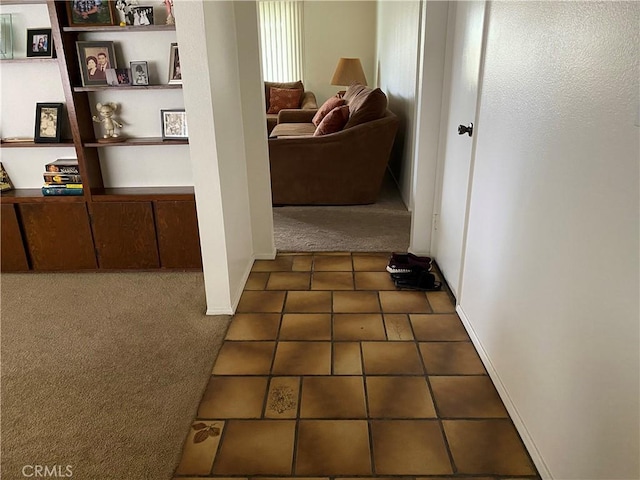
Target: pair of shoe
[411,272]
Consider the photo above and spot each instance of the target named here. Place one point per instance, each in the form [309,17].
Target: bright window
[281,36]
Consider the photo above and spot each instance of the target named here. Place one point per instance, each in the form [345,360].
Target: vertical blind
[281,35]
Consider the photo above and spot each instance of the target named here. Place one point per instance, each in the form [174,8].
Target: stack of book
[62,177]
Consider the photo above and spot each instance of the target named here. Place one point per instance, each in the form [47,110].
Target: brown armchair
[307,101]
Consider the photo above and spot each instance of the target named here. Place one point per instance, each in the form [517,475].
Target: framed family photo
[95,58]
[174,124]
[139,73]
[175,74]
[90,12]
[48,122]
[39,42]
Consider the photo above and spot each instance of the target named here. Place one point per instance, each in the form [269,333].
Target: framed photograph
[39,42]
[48,122]
[139,73]
[174,124]
[90,12]
[6,36]
[95,58]
[175,75]
[125,11]
[142,16]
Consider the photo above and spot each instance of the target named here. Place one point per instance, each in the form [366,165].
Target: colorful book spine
[54,177]
[70,169]
[52,190]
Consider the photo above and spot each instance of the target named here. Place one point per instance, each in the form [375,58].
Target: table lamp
[348,71]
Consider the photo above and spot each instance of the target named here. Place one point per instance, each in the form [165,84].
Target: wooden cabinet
[178,240]
[13,255]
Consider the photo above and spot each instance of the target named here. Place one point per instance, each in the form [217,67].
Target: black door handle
[462,129]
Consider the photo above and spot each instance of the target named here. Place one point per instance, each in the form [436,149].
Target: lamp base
[341,93]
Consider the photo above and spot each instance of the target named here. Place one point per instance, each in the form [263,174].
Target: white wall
[551,281]
[398,39]
[334,29]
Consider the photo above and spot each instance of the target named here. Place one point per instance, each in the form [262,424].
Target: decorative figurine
[170,18]
[106,112]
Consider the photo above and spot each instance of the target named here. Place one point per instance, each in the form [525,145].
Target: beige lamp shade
[348,71]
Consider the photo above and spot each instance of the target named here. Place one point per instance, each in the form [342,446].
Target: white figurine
[106,112]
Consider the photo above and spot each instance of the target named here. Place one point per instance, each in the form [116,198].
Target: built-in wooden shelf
[139,194]
[99,88]
[23,2]
[64,143]
[116,28]
[34,195]
[29,60]
[138,142]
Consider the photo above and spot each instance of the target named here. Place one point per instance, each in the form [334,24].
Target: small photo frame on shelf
[142,16]
[139,73]
[118,76]
[174,124]
[175,74]
[83,13]
[39,42]
[48,122]
[6,37]
[95,58]
[5,181]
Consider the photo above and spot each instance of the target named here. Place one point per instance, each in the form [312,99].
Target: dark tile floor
[328,371]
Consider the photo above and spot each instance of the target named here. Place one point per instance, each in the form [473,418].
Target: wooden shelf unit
[105,228]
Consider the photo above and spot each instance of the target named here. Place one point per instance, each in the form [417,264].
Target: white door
[464,48]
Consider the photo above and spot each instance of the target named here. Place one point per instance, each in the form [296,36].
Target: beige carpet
[103,372]
[380,227]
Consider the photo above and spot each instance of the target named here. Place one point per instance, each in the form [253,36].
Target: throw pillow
[326,107]
[334,121]
[281,98]
[367,105]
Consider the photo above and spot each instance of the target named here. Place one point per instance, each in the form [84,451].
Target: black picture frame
[139,73]
[175,74]
[48,123]
[39,43]
[142,16]
[98,53]
[105,14]
[174,124]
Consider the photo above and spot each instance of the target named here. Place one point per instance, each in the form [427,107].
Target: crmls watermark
[46,471]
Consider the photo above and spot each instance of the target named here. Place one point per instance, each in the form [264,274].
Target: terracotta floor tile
[358,326]
[382,358]
[254,326]
[487,447]
[302,263]
[303,358]
[200,448]
[467,397]
[233,397]
[289,281]
[404,302]
[355,302]
[308,302]
[347,358]
[283,398]
[306,326]
[409,447]
[438,327]
[451,358]
[441,302]
[256,447]
[397,326]
[244,358]
[373,281]
[257,302]
[333,397]
[257,281]
[279,264]
[372,262]
[332,281]
[332,263]
[399,397]
[333,447]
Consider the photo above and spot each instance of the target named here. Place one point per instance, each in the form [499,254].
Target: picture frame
[39,43]
[142,16]
[48,123]
[6,36]
[92,57]
[91,12]
[175,74]
[139,73]
[174,124]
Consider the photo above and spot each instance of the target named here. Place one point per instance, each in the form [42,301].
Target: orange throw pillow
[281,98]
[334,121]
[326,107]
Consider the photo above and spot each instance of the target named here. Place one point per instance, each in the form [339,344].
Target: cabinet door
[58,236]
[125,235]
[13,256]
[178,237]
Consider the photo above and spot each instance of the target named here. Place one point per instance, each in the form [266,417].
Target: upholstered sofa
[342,168]
[307,100]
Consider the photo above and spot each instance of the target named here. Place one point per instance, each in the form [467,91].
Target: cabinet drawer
[13,256]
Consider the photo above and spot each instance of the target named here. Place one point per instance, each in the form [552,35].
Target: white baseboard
[265,256]
[226,311]
[235,299]
[539,462]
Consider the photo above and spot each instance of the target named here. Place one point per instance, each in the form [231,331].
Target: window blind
[281,36]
